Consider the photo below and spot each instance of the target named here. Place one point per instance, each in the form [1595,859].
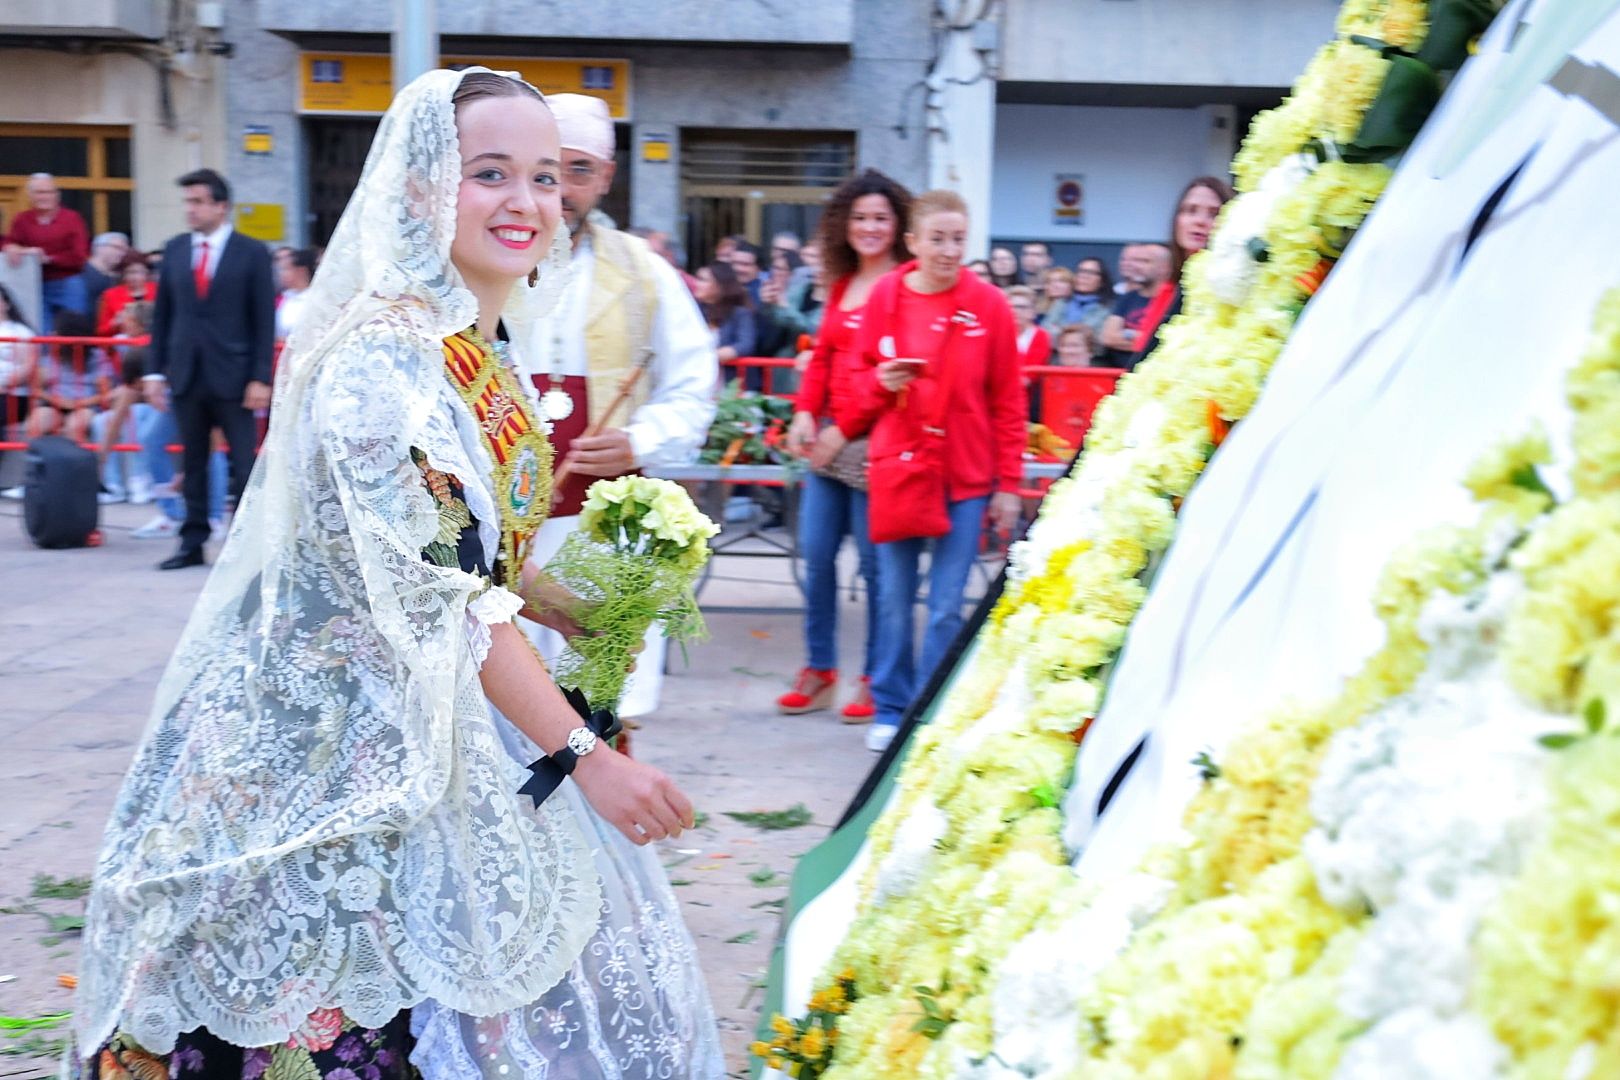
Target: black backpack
[61,480]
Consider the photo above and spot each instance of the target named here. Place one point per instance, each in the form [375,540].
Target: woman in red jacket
[861,241]
[135,285]
[944,401]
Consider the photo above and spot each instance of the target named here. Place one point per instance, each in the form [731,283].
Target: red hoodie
[836,365]
[985,420]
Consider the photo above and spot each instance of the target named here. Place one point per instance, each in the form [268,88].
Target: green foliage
[793,817]
[749,428]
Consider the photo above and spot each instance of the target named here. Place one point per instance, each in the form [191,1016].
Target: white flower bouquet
[640,546]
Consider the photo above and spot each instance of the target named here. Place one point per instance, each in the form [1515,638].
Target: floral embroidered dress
[319,854]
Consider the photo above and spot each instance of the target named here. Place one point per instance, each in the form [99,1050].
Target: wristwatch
[581,741]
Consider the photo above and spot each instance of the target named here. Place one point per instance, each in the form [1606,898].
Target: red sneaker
[812,690]
[860,709]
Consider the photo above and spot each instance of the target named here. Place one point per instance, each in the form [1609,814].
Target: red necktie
[200,274]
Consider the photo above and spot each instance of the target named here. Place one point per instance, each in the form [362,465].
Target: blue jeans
[123,467]
[63,294]
[895,676]
[828,510]
[159,431]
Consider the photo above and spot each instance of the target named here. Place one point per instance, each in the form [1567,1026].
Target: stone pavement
[84,636]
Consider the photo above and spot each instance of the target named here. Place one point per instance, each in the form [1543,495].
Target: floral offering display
[960,951]
[749,428]
[639,548]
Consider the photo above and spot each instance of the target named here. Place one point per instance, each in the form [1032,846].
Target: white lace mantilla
[321,813]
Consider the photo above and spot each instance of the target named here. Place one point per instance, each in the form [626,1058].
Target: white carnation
[912,851]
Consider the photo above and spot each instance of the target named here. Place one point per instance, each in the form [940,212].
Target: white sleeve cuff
[491,607]
[154,378]
[495,605]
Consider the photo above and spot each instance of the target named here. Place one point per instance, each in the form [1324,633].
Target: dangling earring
[534,277]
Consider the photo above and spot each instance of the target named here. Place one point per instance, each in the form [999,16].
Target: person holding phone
[861,241]
[944,402]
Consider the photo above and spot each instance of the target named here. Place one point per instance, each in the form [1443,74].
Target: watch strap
[549,770]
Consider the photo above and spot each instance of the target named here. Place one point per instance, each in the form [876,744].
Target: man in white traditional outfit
[624,307]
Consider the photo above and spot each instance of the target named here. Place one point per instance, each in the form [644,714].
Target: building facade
[732,118]
[116,98]
[1073,122]
[1104,109]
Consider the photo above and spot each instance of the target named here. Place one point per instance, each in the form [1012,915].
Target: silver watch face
[582,741]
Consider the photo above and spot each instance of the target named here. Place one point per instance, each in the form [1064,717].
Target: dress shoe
[183,558]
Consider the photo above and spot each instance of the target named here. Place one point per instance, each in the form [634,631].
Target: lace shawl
[321,813]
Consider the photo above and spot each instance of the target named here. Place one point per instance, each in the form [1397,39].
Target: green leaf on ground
[677,882]
[700,820]
[763,876]
[49,888]
[65,924]
[772,820]
[773,903]
[743,938]
[33,1023]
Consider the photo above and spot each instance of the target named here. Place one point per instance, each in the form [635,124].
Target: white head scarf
[321,814]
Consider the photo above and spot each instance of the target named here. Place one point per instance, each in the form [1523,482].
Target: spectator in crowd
[70,383]
[776,327]
[862,233]
[58,236]
[786,241]
[1004,268]
[297,271]
[1190,225]
[727,309]
[1128,257]
[135,285]
[101,271]
[811,254]
[124,474]
[936,332]
[213,338]
[1122,331]
[727,244]
[1057,286]
[1092,300]
[1034,343]
[794,303]
[746,262]
[1074,346]
[1033,259]
[980,268]
[16,365]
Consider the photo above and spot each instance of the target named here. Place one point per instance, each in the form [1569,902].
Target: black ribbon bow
[548,775]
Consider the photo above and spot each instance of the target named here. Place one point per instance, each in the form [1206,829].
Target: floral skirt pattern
[328,1047]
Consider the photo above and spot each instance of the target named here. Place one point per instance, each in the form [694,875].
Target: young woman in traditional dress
[320,864]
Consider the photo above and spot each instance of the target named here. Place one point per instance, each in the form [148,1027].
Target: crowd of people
[101,394]
[868,383]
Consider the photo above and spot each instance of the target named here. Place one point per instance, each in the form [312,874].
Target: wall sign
[362,84]
[1069,199]
[257,140]
[655,146]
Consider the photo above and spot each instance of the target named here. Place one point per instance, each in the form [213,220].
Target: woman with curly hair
[861,240]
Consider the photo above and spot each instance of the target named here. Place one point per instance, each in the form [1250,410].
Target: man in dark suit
[213,336]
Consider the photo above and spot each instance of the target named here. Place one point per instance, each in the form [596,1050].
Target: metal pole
[416,39]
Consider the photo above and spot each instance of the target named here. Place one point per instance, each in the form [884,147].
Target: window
[91,164]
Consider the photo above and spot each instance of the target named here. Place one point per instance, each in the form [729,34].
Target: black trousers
[197,415]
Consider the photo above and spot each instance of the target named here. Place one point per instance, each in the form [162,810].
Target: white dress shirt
[216,248]
[684,376]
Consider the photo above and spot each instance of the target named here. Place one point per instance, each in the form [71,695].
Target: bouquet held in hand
[639,548]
